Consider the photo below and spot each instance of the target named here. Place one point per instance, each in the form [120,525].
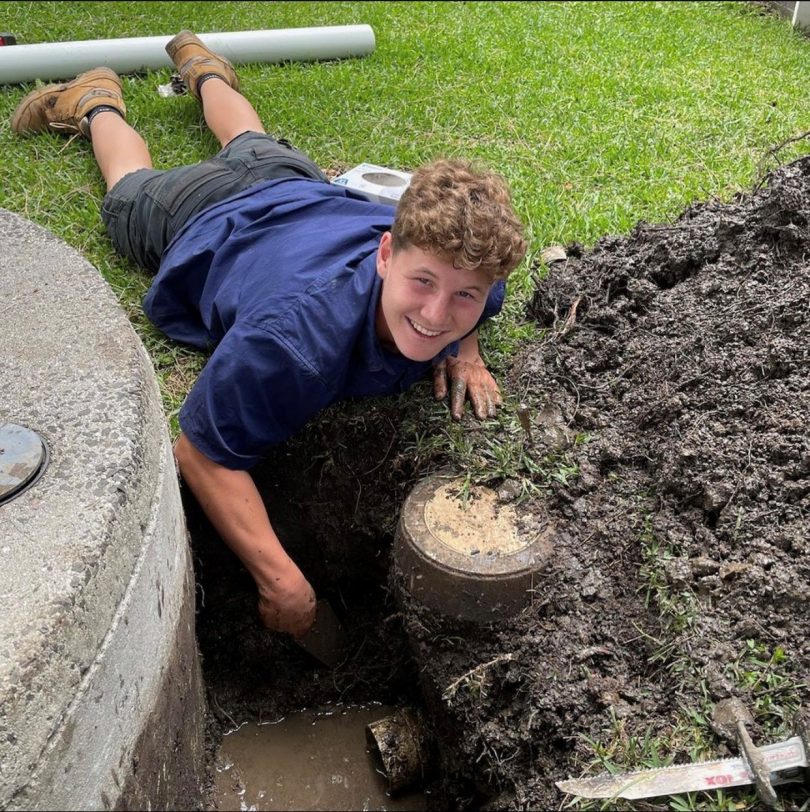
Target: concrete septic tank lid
[23,458]
[472,562]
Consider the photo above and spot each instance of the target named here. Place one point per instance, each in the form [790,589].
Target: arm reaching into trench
[235,508]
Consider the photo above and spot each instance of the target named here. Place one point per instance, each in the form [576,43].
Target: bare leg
[118,148]
[227,112]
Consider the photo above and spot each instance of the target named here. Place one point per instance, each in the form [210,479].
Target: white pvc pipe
[64,60]
[801,15]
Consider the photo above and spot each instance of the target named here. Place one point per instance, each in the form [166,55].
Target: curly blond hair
[463,215]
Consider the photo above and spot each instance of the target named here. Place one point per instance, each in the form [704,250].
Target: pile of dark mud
[676,360]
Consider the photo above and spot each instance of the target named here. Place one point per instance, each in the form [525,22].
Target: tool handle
[759,769]
[801,727]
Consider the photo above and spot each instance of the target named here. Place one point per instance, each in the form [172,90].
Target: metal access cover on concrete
[23,457]
[470,561]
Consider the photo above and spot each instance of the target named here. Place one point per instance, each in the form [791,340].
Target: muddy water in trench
[312,760]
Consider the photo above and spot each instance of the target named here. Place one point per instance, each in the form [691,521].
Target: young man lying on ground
[305,293]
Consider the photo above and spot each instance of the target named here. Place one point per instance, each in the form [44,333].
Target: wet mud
[673,372]
[315,760]
[256,678]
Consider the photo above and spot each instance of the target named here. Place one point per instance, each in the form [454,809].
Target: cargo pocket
[279,159]
[191,188]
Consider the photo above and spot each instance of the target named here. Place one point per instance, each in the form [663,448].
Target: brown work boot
[194,61]
[64,107]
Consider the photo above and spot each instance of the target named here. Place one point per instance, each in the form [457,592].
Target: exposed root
[476,675]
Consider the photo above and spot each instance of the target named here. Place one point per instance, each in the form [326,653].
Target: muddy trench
[260,678]
[672,375]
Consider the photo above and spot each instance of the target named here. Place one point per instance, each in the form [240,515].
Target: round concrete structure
[101,702]
[473,561]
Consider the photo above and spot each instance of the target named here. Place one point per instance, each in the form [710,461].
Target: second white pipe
[64,60]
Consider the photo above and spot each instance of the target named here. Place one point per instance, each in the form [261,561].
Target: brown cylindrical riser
[459,596]
[477,569]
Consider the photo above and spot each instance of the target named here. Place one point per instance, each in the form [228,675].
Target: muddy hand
[470,378]
[288,605]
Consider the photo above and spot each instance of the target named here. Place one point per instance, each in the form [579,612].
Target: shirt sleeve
[254,391]
[494,303]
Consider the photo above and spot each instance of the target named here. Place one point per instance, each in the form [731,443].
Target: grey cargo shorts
[146,208]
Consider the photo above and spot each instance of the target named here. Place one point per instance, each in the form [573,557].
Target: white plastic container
[376,183]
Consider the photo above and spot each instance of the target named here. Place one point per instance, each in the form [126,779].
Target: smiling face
[426,303]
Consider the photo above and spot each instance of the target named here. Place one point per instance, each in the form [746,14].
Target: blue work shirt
[280,281]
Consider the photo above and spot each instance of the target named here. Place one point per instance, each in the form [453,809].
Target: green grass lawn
[598,114]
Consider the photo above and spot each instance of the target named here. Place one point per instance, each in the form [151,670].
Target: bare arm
[467,374]
[235,508]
